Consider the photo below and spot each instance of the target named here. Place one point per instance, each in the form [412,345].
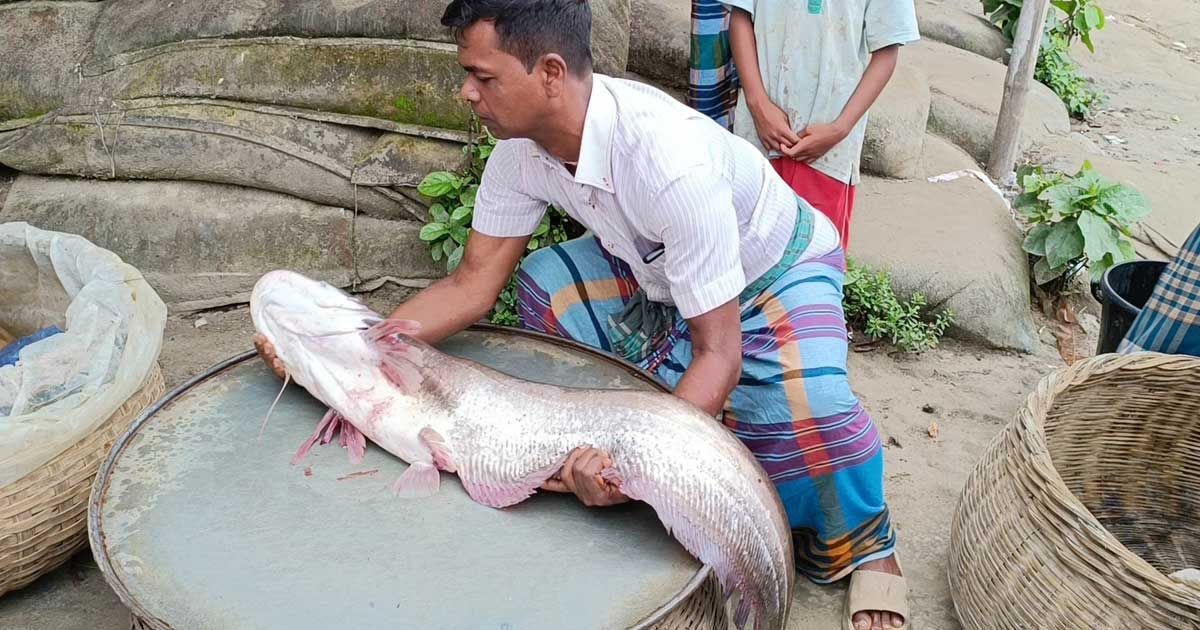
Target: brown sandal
[874,590]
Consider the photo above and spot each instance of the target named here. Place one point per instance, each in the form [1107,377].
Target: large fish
[505,436]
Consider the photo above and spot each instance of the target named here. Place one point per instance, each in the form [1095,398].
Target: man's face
[507,99]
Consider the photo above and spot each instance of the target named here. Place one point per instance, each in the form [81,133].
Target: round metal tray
[196,523]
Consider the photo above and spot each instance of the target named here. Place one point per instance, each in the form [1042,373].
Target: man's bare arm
[716,358]
[466,295]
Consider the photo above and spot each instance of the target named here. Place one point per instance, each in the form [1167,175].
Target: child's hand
[815,141]
[773,128]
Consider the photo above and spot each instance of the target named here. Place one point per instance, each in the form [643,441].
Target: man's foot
[879,619]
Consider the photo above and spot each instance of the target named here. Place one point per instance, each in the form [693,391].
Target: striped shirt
[697,212]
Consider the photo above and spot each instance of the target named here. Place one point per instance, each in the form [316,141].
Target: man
[701,265]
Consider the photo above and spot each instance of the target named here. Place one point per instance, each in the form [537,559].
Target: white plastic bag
[65,385]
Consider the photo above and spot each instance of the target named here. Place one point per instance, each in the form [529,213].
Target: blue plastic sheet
[10,353]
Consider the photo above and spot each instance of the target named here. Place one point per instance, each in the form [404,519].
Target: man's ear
[554,74]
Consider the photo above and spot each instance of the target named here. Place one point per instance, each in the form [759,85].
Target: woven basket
[1086,502]
[43,515]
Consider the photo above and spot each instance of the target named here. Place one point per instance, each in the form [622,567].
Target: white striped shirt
[697,212]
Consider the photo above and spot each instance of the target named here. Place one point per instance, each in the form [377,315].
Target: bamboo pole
[1026,42]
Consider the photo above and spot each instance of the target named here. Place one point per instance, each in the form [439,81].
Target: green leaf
[1064,243]
[448,246]
[1126,204]
[1094,17]
[1043,272]
[1100,266]
[1066,6]
[460,213]
[455,258]
[1086,37]
[1126,249]
[1079,22]
[1035,242]
[468,196]
[439,184]
[1060,197]
[438,212]
[459,234]
[1099,238]
[433,231]
[436,251]
[485,151]
[1029,206]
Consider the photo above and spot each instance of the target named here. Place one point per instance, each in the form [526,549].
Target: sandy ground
[969,393]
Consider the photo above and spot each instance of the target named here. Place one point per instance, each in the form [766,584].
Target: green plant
[1076,220]
[1079,19]
[871,304]
[453,204]
[1055,69]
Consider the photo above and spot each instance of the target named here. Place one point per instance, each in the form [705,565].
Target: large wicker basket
[43,515]
[1086,503]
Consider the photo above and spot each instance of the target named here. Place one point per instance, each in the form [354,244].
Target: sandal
[874,590]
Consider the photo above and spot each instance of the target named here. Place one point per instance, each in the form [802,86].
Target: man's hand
[580,474]
[267,352]
[815,141]
[772,126]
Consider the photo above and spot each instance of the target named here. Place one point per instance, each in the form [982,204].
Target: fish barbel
[505,436]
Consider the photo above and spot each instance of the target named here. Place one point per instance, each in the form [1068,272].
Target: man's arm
[716,358]
[466,295]
[817,140]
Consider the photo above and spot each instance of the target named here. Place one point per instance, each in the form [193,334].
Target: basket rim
[1029,425]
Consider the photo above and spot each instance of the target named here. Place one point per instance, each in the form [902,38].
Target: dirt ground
[969,393]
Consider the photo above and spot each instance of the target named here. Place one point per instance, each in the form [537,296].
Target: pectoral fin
[419,480]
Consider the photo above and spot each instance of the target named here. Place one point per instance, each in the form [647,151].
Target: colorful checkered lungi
[712,79]
[1170,320]
[793,406]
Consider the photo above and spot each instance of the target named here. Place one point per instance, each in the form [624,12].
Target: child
[809,71]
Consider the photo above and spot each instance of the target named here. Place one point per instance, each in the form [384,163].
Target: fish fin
[420,479]
[505,493]
[400,358]
[326,421]
[443,457]
[334,422]
[680,526]
[353,440]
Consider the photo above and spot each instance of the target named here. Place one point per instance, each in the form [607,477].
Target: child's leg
[833,198]
[712,79]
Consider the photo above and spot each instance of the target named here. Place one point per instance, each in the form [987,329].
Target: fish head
[309,322]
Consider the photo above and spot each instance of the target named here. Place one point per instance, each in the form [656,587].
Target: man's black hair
[529,29]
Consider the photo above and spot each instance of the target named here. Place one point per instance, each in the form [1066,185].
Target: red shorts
[833,198]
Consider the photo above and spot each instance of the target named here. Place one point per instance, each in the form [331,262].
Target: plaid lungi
[1170,320]
[793,406]
[712,79]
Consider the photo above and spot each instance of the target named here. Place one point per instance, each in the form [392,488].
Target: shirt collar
[595,149]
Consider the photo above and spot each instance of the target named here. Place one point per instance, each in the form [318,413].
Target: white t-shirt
[812,54]
[654,174]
